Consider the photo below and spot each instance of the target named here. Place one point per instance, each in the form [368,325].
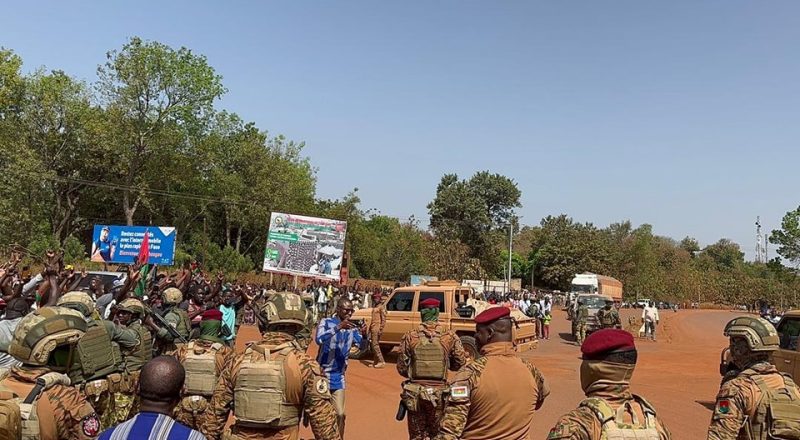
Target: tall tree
[154,94]
[788,237]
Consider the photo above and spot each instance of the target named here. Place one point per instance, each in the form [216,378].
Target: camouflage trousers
[374,341]
[580,332]
[423,424]
[192,411]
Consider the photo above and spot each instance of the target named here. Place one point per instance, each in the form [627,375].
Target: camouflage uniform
[306,387]
[493,397]
[133,359]
[375,330]
[428,397]
[193,409]
[583,423]
[581,315]
[61,411]
[608,318]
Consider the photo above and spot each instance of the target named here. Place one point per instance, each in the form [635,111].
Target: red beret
[432,303]
[212,314]
[492,314]
[606,341]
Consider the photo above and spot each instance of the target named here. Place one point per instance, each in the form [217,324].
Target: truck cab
[403,315]
[787,357]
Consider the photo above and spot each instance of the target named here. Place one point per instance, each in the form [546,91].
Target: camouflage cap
[173,296]
[284,308]
[759,333]
[132,305]
[77,300]
[41,332]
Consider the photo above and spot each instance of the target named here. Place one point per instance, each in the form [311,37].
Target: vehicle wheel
[470,346]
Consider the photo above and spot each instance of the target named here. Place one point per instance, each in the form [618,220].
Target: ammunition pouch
[413,393]
[96,388]
[124,383]
[195,404]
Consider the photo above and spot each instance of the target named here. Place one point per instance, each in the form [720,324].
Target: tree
[690,245]
[476,212]
[725,254]
[154,96]
[788,237]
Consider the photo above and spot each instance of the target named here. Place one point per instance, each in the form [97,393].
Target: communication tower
[761,250]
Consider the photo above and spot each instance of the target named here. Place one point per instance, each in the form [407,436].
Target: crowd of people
[154,358]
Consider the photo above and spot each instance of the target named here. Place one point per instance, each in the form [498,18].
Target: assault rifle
[161,322]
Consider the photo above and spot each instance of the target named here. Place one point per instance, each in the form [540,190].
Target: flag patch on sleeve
[723,406]
[459,392]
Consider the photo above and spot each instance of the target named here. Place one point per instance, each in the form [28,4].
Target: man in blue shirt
[103,250]
[335,336]
[160,385]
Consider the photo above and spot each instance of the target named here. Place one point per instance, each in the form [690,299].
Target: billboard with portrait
[120,244]
[305,246]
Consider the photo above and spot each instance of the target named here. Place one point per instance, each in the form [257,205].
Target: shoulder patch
[459,392]
[559,431]
[90,425]
[321,386]
[723,407]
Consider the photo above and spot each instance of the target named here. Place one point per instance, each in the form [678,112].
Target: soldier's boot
[379,365]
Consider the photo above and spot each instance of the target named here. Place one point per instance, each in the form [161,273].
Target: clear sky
[682,114]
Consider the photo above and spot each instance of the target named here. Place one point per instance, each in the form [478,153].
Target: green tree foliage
[475,212]
[788,237]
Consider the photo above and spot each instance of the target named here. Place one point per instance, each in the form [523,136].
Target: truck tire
[470,346]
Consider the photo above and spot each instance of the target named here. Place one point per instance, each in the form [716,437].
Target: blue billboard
[121,244]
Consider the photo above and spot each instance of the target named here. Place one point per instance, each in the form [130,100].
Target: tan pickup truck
[402,316]
[787,357]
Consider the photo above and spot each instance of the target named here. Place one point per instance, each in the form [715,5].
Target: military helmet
[173,296]
[759,333]
[284,308]
[132,305]
[77,300]
[41,332]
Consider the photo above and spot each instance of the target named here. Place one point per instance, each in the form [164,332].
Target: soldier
[271,384]
[425,356]
[493,397]
[581,315]
[759,403]
[51,410]
[174,316]
[376,328]
[608,317]
[97,361]
[609,411]
[130,313]
[203,358]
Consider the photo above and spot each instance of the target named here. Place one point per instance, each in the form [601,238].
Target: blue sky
[679,114]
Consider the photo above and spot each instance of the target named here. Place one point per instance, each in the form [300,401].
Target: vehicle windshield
[582,288]
[593,302]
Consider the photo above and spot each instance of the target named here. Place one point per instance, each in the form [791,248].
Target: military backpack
[777,415]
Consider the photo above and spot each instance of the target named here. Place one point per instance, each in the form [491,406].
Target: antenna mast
[761,251]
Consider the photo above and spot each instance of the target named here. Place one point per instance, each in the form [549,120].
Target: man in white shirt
[650,320]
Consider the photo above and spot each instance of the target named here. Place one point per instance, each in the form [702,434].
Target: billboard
[305,246]
[120,244]
[418,280]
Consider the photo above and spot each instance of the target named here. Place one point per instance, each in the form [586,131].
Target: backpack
[777,415]
[613,427]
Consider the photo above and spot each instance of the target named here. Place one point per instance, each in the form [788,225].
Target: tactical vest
[201,369]
[137,356]
[96,355]
[260,389]
[429,360]
[613,427]
[18,416]
[606,318]
[184,326]
[777,415]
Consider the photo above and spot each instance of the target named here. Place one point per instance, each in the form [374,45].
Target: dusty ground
[678,375]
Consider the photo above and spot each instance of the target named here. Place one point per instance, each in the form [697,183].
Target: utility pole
[510,244]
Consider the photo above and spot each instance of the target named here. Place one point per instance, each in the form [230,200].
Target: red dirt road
[678,375]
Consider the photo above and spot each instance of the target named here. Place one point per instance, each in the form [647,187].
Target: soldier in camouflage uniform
[756,401]
[425,356]
[174,316]
[495,396]
[271,384]
[43,341]
[130,313]
[97,362]
[609,411]
[203,359]
[581,315]
[608,317]
[376,325]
